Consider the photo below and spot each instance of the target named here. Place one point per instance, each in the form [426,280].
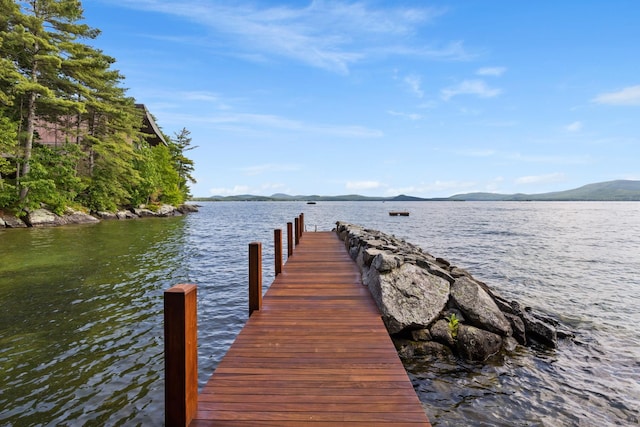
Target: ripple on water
[85,347]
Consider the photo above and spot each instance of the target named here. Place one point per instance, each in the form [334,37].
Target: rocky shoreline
[46,218]
[431,307]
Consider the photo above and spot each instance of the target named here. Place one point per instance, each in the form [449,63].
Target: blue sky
[383,98]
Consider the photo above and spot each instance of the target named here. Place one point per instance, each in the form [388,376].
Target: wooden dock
[316,353]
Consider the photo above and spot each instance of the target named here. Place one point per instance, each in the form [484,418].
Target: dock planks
[317,353]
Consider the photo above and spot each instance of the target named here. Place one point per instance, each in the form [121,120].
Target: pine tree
[183,165]
[35,40]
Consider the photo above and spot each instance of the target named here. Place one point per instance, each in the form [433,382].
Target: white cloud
[574,127]
[541,179]
[414,82]
[627,96]
[434,188]
[410,116]
[331,35]
[470,87]
[238,189]
[362,185]
[491,71]
[240,121]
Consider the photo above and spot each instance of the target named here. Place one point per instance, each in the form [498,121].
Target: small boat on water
[311,203]
[399,213]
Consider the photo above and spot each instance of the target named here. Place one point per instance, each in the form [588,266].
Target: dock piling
[180,354]
[289,239]
[255,277]
[301,224]
[277,237]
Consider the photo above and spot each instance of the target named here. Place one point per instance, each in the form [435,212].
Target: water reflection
[82,324]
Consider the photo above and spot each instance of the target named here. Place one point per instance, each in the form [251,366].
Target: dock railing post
[180,354]
[255,276]
[301,224]
[289,239]
[297,235]
[277,238]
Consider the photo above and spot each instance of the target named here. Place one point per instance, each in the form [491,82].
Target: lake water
[81,335]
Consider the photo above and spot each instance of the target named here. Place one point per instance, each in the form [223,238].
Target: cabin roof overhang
[150,128]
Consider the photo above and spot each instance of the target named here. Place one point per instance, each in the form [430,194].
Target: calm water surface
[81,307]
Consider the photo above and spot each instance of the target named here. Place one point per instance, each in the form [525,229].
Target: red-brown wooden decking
[317,353]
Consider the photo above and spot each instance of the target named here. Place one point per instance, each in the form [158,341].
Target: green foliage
[8,151]
[113,176]
[169,186]
[48,75]
[182,164]
[53,179]
[453,325]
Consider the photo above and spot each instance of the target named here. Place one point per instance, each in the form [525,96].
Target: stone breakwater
[45,218]
[431,307]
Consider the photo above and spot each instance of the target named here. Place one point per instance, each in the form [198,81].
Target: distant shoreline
[610,191]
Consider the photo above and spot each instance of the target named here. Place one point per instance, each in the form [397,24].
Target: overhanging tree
[35,42]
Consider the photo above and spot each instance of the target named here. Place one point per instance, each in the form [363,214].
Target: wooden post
[277,237]
[289,239]
[297,221]
[180,355]
[255,277]
[301,224]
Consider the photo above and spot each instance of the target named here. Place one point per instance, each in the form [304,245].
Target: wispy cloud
[251,120]
[470,87]
[627,96]
[414,82]
[332,35]
[409,116]
[434,188]
[491,71]
[574,127]
[238,189]
[541,179]
[362,185]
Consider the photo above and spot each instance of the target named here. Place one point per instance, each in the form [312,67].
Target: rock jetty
[44,217]
[431,307]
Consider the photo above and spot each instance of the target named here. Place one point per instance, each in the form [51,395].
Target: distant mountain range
[620,190]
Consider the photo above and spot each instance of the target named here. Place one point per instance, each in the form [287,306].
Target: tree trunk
[28,145]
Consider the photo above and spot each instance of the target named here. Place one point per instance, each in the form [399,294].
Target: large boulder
[408,297]
[476,344]
[409,349]
[143,212]
[12,221]
[43,218]
[125,214]
[441,332]
[187,208]
[538,328]
[478,306]
[72,216]
[167,210]
[106,215]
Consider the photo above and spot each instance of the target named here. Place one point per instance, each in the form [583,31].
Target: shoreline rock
[427,303]
[44,217]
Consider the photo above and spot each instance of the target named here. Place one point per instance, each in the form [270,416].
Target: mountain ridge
[617,190]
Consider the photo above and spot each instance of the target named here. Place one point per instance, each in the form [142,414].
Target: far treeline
[51,78]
